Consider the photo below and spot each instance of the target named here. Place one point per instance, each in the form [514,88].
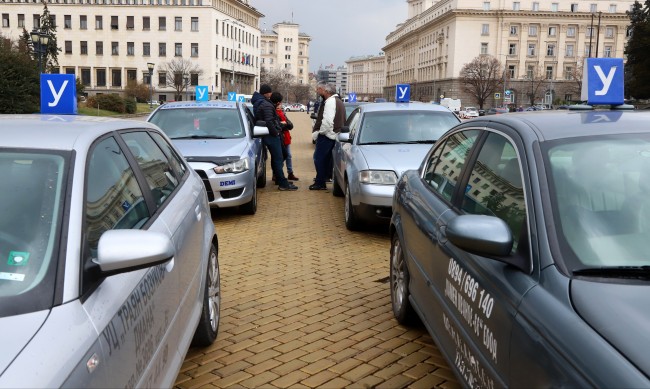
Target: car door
[482,294]
[341,153]
[131,311]
[256,142]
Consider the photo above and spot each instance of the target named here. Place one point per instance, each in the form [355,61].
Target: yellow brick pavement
[304,301]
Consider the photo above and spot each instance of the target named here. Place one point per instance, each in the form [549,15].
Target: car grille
[230,193]
[206,183]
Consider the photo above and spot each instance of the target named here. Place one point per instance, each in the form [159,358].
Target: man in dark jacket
[265,110]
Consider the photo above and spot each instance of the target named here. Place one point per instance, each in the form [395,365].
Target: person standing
[265,110]
[287,126]
[331,117]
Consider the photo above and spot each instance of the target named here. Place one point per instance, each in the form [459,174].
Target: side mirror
[343,137]
[260,129]
[345,129]
[313,116]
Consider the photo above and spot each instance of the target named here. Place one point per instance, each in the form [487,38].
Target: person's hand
[314,135]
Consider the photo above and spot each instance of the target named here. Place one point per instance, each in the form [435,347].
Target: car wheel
[250,207]
[208,327]
[351,220]
[336,188]
[261,179]
[399,284]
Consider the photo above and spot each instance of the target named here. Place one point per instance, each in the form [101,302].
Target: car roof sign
[602,81]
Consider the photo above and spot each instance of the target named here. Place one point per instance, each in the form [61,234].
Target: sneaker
[317,187]
[290,186]
[291,177]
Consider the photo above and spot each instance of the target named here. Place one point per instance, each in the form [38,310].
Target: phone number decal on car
[468,365]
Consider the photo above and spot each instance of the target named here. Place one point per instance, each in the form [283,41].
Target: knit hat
[264,89]
[276,97]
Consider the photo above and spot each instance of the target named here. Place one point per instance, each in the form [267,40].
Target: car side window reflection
[353,121]
[113,197]
[175,160]
[495,187]
[443,168]
[154,164]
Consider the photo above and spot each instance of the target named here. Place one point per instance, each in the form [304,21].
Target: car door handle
[197,210]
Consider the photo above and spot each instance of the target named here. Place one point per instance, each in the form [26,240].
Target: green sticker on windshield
[18,258]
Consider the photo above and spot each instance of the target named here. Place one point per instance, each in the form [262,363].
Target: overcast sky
[339,29]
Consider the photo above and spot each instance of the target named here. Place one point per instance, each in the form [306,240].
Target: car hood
[16,332]
[396,157]
[620,313]
[211,147]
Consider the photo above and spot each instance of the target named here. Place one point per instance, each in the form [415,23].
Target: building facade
[533,40]
[285,48]
[107,43]
[367,76]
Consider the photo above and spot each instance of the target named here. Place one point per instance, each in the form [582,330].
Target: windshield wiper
[418,142]
[198,137]
[638,272]
[379,143]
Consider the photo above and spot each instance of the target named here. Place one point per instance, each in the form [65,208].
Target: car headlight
[380,177]
[233,167]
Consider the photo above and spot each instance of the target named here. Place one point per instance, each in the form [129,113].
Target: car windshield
[407,126]
[30,219]
[600,189]
[199,123]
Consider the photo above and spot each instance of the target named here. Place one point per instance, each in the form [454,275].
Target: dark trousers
[323,158]
[274,145]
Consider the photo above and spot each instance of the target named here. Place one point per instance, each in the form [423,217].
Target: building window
[162,23]
[85,77]
[101,77]
[484,48]
[178,23]
[83,47]
[486,6]
[587,50]
[530,71]
[593,8]
[36,21]
[146,49]
[99,48]
[115,48]
[607,52]
[512,49]
[216,51]
[114,22]
[554,7]
[130,48]
[531,49]
[162,49]
[83,22]
[535,6]
[569,51]
[131,75]
[550,50]
[68,47]
[568,73]
[99,23]
[194,79]
[514,30]
[67,21]
[574,7]
[589,32]
[195,24]
[146,23]
[21,20]
[162,79]
[612,8]
[485,29]
[129,23]
[552,31]
[516,6]
[194,50]
[178,49]
[116,77]
[532,30]
[549,72]
[571,32]
[609,32]
[511,71]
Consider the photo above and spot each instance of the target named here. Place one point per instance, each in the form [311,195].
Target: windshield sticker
[12,276]
[18,258]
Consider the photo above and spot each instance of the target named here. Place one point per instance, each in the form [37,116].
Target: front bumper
[225,190]
[374,201]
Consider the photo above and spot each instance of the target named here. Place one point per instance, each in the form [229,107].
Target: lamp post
[40,39]
[186,80]
[150,66]
[232,54]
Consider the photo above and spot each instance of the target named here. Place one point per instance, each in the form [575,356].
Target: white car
[470,112]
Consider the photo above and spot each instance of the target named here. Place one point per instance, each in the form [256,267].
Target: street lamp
[40,39]
[186,79]
[150,66]
[232,54]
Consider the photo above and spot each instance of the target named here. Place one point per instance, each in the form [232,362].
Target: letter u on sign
[602,81]
[58,94]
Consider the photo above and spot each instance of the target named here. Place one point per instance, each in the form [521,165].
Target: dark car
[496,111]
[481,112]
[522,244]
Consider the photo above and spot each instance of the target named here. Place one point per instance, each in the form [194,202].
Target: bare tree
[482,77]
[177,71]
[575,75]
[300,93]
[279,80]
[534,82]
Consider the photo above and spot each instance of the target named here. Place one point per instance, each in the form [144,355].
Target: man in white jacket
[331,117]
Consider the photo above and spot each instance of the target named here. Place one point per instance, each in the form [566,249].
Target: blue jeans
[323,158]
[288,159]
[274,145]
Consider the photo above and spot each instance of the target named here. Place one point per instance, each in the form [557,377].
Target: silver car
[377,144]
[218,141]
[109,265]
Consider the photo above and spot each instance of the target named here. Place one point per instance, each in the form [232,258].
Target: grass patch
[143,108]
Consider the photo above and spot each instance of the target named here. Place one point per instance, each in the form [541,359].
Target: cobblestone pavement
[305,302]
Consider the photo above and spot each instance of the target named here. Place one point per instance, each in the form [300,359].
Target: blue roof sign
[202,93]
[58,94]
[602,81]
[402,93]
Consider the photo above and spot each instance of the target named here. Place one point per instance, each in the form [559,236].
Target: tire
[250,207]
[261,179]
[206,331]
[399,284]
[336,188]
[351,220]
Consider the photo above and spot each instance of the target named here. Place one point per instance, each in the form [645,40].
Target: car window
[175,161]
[153,163]
[405,126]
[353,122]
[442,170]
[113,197]
[495,187]
[219,123]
